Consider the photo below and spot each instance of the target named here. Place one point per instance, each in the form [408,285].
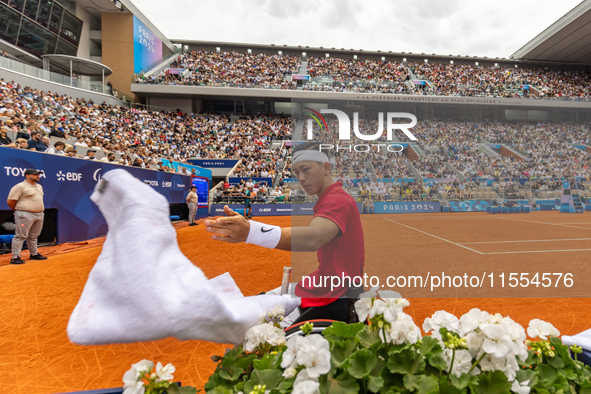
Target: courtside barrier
[68,183]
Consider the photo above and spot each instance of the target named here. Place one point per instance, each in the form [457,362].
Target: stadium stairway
[460,176]
[373,177]
[513,150]
[304,67]
[419,151]
[413,170]
[488,151]
[298,133]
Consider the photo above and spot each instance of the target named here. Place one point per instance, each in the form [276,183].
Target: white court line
[550,224]
[527,240]
[542,251]
[434,236]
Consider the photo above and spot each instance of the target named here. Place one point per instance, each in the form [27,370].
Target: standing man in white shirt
[26,200]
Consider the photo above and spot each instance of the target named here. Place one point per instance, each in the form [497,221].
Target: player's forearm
[305,239]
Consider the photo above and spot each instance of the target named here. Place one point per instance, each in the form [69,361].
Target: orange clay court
[37,298]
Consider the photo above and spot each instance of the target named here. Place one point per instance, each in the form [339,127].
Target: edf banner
[67,186]
[406,207]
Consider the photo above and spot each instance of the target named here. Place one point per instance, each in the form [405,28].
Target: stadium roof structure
[568,40]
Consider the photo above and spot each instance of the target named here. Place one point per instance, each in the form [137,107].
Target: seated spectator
[4,138]
[113,160]
[90,155]
[35,143]
[70,151]
[57,149]
[278,194]
[21,143]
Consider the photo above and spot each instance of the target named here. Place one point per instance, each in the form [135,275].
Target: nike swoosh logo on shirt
[265,231]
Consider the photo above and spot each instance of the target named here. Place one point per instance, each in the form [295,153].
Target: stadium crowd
[229,69]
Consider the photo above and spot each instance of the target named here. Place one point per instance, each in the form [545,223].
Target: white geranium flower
[403,330]
[373,293]
[521,388]
[304,384]
[164,373]
[135,374]
[136,388]
[441,319]
[475,341]
[497,342]
[362,307]
[367,307]
[276,311]
[462,361]
[289,355]
[471,321]
[393,306]
[494,319]
[541,329]
[290,372]
[306,387]
[314,354]
[263,333]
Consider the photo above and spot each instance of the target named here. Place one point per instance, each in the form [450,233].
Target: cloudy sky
[458,27]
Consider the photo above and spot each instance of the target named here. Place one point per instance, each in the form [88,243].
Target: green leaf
[368,338]
[245,362]
[231,373]
[339,331]
[492,383]
[362,363]
[464,381]
[187,390]
[407,362]
[438,362]
[556,361]
[268,361]
[430,346]
[342,384]
[341,351]
[267,377]
[532,359]
[375,383]
[445,387]
[423,384]
[219,390]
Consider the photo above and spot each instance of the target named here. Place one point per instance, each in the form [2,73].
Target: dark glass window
[31,7]
[9,21]
[44,12]
[56,18]
[36,39]
[65,48]
[71,28]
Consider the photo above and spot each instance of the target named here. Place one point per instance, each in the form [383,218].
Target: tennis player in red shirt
[335,234]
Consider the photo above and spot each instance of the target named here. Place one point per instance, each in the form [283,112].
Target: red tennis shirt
[344,255]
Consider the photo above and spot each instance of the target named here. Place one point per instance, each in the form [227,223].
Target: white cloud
[458,27]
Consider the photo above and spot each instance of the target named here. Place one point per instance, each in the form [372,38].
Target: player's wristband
[263,235]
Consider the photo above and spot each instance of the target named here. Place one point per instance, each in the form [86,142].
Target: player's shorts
[246,203]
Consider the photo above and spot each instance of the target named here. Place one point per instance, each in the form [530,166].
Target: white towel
[142,287]
[582,339]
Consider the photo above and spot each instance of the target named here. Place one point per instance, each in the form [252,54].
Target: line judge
[26,200]
[335,233]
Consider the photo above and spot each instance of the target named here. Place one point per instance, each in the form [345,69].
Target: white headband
[310,155]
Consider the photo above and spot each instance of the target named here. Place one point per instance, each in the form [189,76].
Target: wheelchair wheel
[319,326]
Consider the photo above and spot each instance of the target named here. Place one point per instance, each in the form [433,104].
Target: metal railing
[19,67]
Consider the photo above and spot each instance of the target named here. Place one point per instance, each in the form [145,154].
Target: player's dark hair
[308,145]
